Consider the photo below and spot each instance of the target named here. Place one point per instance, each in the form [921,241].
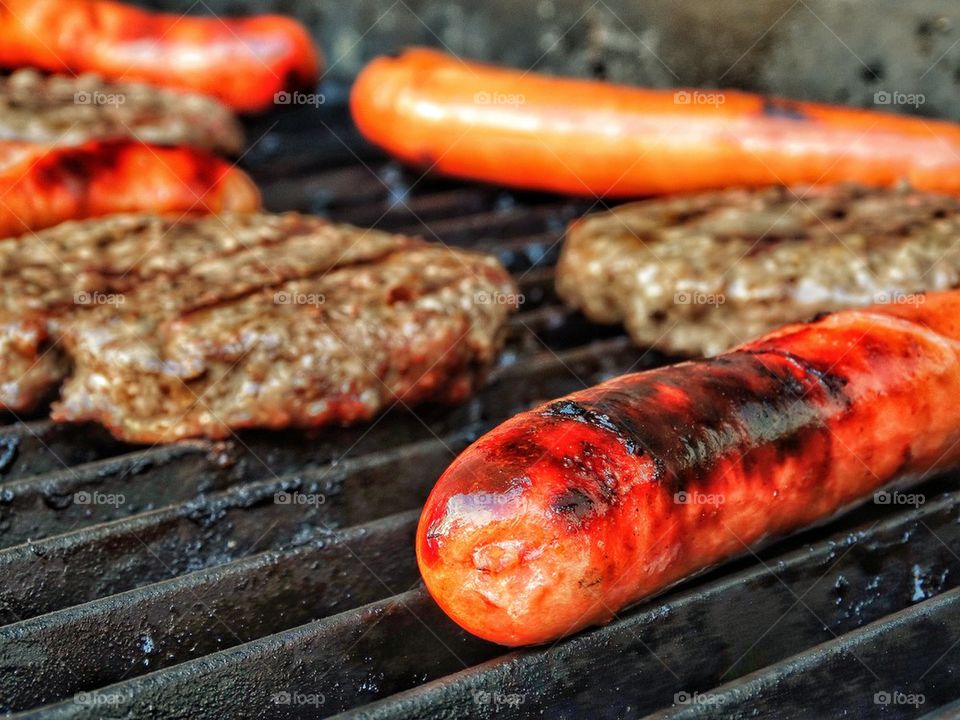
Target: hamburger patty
[67,110]
[698,274]
[167,328]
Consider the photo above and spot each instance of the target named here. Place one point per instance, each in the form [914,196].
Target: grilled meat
[44,184]
[167,328]
[563,515]
[245,62]
[71,110]
[701,273]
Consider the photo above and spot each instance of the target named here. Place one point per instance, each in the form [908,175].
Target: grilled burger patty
[698,274]
[72,110]
[167,328]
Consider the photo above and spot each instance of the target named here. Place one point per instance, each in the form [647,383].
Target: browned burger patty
[72,110]
[168,328]
[698,274]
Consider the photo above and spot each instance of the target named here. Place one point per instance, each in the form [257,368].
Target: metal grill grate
[201,596]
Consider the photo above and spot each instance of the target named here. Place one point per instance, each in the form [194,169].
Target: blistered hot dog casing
[563,515]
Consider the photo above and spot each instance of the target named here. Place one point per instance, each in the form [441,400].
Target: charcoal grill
[203,594]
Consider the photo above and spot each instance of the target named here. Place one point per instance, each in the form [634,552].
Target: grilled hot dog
[43,185]
[241,61]
[563,515]
[593,138]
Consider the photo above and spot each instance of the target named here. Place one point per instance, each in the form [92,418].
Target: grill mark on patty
[135,277]
[844,246]
[257,288]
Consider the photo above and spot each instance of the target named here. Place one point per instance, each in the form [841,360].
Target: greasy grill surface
[273,574]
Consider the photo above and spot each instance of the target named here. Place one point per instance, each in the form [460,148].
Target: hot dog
[593,138]
[43,185]
[243,62]
[563,515]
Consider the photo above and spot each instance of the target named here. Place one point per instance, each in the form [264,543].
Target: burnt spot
[833,383]
[747,405]
[575,504]
[786,109]
[573,410]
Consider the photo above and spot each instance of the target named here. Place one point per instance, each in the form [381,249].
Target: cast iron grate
[202,596]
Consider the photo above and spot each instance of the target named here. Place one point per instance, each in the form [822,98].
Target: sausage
[563,515]
[593,138]
[43,185]
[243,62]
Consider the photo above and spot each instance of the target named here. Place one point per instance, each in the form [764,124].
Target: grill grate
[201,596]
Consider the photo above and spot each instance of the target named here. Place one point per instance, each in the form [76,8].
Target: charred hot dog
[43,185]
[562,516]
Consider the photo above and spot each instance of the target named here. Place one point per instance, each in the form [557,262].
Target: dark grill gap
[200,596]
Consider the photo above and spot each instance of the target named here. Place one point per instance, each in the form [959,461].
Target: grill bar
[717,630]
[872,684]
[65,652]
[201,596]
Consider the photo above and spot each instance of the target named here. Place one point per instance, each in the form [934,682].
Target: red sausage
[563,515]
[43,185]
[586,137]
[243,62]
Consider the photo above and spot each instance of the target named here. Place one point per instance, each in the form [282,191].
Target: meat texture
[69,110]
[166,328]
[698,274]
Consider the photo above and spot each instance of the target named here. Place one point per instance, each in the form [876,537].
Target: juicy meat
[699,274]
[245,62]
[71,110]
[42,184]
[565,514]
[167,328]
